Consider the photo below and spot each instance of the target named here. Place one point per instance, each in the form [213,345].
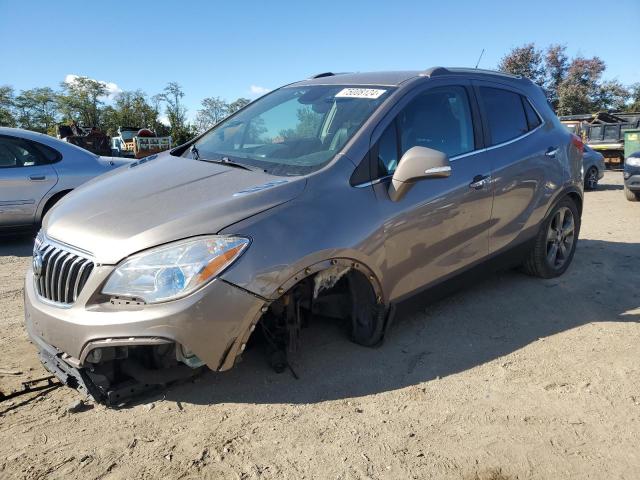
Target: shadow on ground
[16,245]
[488,318]
[493,317]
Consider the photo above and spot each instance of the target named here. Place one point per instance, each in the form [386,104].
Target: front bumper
[632,180]
[213,323]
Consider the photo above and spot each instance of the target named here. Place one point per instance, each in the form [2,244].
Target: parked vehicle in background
[37,170]
[138,143]
[604,132]
[594,167]
[339,195]
[89,138]
[632,177]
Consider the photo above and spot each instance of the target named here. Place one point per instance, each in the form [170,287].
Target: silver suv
[340,195]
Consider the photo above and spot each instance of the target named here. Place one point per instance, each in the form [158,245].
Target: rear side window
[533,120]
[505,114]
[49,155]
[19,152]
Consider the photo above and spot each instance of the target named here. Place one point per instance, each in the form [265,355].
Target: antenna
[480,58]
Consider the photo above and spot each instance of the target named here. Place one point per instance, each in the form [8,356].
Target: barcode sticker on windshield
[371,93]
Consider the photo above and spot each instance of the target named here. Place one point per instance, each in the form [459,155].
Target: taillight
[577,142]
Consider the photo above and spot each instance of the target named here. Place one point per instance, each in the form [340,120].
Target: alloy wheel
[560,238]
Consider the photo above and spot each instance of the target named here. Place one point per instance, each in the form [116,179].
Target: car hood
[162,199]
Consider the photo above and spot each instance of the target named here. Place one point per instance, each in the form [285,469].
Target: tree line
[83,100]
[572,85]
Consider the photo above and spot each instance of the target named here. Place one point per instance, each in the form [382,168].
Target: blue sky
[241,48]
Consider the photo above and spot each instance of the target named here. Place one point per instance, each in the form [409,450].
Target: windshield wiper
[229,162]
[194,152]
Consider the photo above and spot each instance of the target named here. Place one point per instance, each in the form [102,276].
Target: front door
[441,225]
[25,178]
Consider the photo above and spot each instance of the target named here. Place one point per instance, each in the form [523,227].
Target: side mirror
[416,164]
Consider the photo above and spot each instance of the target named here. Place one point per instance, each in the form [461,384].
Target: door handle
[480,181]
[37,178]
[551,152]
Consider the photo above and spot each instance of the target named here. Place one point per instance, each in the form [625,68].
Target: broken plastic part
[326,279]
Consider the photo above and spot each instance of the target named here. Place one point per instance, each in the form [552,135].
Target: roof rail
[437,71]
[484,70]
[434,72]
[323,74]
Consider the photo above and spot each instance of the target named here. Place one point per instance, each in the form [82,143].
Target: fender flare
[567,191]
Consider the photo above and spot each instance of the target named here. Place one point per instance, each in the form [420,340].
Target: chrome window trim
[473,152]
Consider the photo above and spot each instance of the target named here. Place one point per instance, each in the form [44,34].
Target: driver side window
[439,119]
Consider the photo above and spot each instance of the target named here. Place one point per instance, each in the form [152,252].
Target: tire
[631,195]
[556,241]
[367,317]
[591,179]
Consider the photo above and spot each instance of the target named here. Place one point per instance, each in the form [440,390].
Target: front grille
[60,275]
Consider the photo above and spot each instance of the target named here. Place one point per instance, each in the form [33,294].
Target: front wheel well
[341,291]
[52,201]
[577,199]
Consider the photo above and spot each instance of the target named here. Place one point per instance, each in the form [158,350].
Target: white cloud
[112,88]
[163,119]
[258,90]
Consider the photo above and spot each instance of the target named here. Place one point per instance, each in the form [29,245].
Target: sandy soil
[513,378]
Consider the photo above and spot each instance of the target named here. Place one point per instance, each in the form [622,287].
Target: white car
[37,170]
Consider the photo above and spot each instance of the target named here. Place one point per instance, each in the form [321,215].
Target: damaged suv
[336,196]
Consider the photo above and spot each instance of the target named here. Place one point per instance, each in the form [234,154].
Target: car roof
[397,78]
[48,140]
[22,133]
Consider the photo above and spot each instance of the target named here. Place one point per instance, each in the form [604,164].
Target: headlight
[175,270]
[633,161]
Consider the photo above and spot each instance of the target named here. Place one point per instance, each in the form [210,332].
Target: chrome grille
[62,274]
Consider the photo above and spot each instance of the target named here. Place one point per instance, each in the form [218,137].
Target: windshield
[294,130]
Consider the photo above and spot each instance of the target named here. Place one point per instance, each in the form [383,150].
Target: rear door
[522,150]
[441,225]
[26,176]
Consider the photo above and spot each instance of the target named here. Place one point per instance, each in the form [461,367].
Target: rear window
[505,114]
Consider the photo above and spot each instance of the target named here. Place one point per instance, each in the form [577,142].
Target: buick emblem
[37,264]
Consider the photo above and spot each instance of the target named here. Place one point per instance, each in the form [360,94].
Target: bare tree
[213,110]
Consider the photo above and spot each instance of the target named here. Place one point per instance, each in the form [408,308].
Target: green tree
[238,104]
[81,100]
[37,109]
[176,113]
[7,97]
[634,95]
[526,61]
[130,109]
[556,66]
[612,95]
[213,110]
[579,91]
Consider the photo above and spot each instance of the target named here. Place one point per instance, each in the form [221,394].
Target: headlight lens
[175,270]
[633,161]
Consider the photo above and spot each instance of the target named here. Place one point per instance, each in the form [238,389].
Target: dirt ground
[514,378]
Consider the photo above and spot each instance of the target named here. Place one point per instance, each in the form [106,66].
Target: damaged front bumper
[108,349]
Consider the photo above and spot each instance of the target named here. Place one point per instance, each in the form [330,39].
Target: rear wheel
[555,244]
[631,195]
[591,179]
